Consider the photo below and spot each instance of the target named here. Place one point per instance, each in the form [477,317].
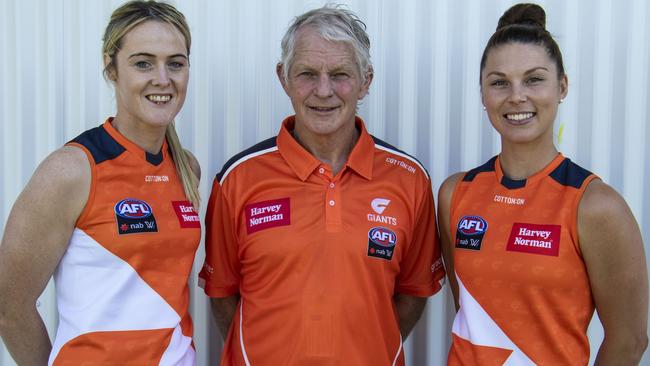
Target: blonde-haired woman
[112,216]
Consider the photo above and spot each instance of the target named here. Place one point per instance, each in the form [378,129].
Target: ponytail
[182,162]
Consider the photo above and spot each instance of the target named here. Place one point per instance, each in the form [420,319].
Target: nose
[161,77]
[324,87]
[517,95]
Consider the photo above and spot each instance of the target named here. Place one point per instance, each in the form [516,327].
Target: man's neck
[333,149]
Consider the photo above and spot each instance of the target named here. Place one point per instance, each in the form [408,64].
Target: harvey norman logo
[267,214]
[535,239]
[187,216]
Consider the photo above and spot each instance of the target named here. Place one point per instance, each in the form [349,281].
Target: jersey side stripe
[222,177]
[399,350]
[241,334]
[404,155]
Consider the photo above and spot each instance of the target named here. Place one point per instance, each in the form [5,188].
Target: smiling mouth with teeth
[159,98]
[323,109]
[519,116]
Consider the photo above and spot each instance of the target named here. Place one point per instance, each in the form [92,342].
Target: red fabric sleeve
[220,274]
[421,271]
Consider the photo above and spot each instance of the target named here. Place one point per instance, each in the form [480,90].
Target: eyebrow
[145,54]
[496,73]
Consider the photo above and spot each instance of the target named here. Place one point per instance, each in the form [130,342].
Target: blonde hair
[122,21]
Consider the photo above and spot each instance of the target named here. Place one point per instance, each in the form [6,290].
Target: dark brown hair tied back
[524,14]
[524,23]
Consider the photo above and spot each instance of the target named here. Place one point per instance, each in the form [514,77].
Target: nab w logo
[381,243]
[470,232]
[379,205]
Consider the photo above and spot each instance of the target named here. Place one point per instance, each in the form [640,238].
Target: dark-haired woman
[536,242]
[111,216]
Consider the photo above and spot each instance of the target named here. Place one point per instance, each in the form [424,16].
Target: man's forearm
[223,309]
[409,309]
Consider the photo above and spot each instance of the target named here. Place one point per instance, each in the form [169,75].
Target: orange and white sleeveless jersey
[121,286]
[523,287]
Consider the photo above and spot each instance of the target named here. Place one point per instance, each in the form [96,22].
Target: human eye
[498,83]
[176,65]
[142,65]
[306,74]
[534,80]
[340,76]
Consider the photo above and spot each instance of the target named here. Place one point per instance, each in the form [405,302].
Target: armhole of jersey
[455,196]
[576,206]
[91,192]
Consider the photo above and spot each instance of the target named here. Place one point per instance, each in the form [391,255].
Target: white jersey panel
[98,291]
[475,325]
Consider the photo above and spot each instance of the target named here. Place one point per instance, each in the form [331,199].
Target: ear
[482,99]
[279,70]
[564,86]
[370,73]
[111,72]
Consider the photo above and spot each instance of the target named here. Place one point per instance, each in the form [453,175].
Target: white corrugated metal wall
[424,99]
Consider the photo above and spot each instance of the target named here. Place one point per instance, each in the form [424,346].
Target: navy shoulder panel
[100,144]
[232,162]
[385,144]
[570,174]
[487,167]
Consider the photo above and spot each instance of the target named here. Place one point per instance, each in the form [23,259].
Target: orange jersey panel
[121,286]
[318,258]
[523,284]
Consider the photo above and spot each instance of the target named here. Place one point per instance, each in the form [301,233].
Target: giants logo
[470,232]
[381,243]
[379,205]
[134,216]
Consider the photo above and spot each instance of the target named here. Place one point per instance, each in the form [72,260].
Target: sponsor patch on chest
[535,239]
[470,232]
[134,216]
[381,243]
[267,214]
[187,216]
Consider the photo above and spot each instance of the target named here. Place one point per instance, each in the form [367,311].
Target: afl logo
[132,208]
[472,225]
[382,236]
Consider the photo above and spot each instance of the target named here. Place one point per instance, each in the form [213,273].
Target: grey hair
[335,24]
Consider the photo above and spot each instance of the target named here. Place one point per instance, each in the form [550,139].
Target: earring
[561,100]
[485,109]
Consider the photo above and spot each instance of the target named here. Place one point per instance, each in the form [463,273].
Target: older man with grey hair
[321,244]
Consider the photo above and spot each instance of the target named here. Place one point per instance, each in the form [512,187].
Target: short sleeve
[220,275]
[421,271]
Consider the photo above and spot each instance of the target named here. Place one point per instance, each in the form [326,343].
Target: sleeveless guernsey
[121,286]
[523,286]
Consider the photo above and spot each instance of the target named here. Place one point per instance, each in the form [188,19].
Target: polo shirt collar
[303,163]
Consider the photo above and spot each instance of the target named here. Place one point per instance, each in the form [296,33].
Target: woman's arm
[35,238]
[613,252]
[444,210]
